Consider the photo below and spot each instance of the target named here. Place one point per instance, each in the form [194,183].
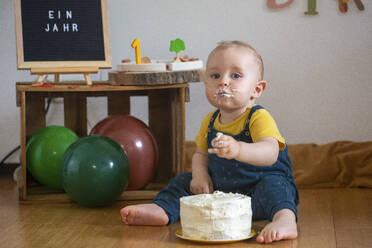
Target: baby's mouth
[224,92]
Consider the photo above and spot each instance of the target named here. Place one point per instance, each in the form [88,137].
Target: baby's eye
[236,75]
[215,76]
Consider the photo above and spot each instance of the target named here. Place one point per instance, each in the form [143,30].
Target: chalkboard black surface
[54,33]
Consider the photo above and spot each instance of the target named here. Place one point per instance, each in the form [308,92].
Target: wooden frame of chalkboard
[62,34]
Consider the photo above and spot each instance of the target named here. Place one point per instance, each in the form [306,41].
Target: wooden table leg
[32,119]
[75,108]
[21,180]
[118,103]
[161,126]
[178,130]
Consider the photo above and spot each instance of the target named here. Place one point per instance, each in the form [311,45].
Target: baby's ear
[260,87]
[263,84]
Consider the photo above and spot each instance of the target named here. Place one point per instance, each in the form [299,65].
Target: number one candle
[311,7]
[137,50]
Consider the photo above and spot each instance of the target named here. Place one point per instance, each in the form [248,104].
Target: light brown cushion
[337,164]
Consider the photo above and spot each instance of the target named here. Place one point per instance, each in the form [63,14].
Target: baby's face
[231,77]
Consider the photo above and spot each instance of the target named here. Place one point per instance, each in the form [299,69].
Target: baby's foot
[144,214]
[283,226]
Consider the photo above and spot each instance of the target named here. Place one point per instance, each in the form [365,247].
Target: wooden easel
[40,71]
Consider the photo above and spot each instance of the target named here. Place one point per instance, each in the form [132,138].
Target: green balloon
[95,171]
[44,152]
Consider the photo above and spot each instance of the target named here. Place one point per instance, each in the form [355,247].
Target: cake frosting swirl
[217,216]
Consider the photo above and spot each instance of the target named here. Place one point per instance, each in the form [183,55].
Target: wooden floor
[327,218]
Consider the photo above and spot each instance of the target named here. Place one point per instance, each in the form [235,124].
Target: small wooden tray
[154,78]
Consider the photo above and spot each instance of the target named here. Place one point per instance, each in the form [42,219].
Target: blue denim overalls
[272,188]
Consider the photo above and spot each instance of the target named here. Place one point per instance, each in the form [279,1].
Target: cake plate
[179,234]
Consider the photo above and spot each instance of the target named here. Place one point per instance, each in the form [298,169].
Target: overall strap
[254,109]
[214,116]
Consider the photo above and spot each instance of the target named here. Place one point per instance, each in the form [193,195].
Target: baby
[239,149]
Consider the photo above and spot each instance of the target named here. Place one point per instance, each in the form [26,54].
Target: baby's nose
[224,82]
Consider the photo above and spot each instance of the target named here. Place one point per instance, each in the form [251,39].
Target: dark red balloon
[135,137]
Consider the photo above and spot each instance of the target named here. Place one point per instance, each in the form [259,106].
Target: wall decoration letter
[273,5]
[311,7]
[359,4]
[342,6]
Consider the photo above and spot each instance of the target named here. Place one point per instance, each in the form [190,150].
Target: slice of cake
[217,216]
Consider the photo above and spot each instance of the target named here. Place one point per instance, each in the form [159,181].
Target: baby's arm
[264,152]
[201,182]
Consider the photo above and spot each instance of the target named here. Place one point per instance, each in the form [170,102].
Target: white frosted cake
[217,216]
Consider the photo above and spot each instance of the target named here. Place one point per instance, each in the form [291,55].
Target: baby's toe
[274,235]
[268,238]
[260,238]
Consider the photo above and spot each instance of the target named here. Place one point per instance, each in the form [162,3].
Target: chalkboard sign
[62,33]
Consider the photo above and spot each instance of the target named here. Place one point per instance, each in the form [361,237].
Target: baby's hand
[225,146]
[201,184]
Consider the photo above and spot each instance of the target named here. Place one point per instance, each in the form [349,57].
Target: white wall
[319,68]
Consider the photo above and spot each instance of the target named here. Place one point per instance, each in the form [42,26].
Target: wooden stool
[166,120]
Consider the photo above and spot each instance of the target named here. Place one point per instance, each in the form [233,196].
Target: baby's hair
[237,43]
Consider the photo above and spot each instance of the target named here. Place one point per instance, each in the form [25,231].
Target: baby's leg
[283,226]
[144,214]
[275,198]
[165,208]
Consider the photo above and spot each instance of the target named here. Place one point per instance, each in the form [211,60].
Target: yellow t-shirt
[261,125]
